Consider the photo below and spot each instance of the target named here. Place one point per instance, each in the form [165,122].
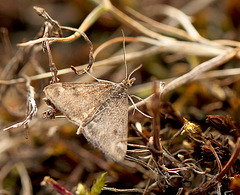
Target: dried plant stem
[181,17]
[154,107]
[228,43]
[202,189]
[146,187]
[123,190]
[118,59]
[210,64]
[132,23]
[166,29]
[187,48]
[208,143]
[231,161]
[52,65]
[6,168]
[137,89]
[89,20]
[25,179]
[110,61]
[91,58]
[112,41]
[31,111]
[214,62]
[193,7]
[184,20]
[219,73]
[169,44]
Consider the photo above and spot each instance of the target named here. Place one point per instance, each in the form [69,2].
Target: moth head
[50,113]
[128,82]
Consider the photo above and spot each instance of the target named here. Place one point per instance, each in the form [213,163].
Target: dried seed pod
[224,124]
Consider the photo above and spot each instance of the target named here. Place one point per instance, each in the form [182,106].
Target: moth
[100,109]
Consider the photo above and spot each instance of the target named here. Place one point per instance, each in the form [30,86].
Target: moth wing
[108,128]
[77,101]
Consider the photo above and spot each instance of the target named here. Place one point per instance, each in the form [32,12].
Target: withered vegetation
[189,85]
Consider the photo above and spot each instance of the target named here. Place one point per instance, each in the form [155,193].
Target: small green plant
[95,189]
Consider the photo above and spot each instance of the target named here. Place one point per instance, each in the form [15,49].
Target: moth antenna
[86,71]
[124,55]
[136,69]
[135,107]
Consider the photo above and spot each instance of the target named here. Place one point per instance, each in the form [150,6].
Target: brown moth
[100,109]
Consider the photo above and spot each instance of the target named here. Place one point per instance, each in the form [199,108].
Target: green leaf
[81,190]
[99,184]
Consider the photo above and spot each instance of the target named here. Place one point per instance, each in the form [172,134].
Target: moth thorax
[119,91]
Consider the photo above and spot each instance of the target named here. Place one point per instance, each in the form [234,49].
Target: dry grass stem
[166,29]
[210,64]
[110,61]
[135,25]
[25,179]
[176,43]
[179,16]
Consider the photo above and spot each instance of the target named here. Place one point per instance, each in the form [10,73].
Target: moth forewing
[99,109]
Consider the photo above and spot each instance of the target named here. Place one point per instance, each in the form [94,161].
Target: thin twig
[202,189]
[112,41]
[154,107]
[186,47]
[123,190]
[146,187]
[25,179]
[208,143]
[110,61]
[186,78]
[178,15]
[89,20]
[231,161]
[210,64]
[166,29]
[32,108]
[52,65]
[132,23]
[91,58]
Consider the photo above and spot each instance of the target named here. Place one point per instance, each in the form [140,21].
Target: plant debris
[185,139]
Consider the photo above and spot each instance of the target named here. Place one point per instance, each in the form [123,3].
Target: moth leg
[98,80]
[136,108]
[79,130]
